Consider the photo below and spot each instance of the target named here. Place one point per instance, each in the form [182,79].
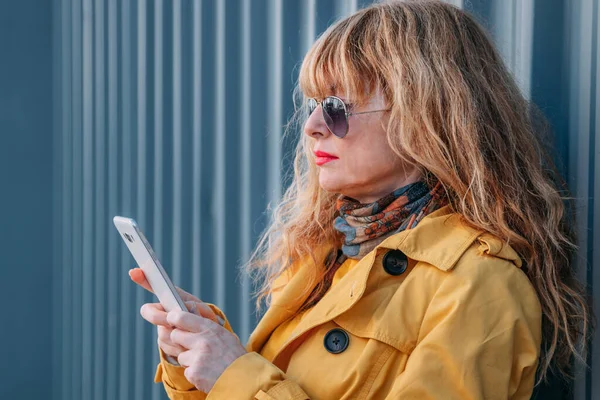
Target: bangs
[336,64]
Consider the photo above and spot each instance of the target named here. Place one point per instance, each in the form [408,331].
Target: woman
[422,250]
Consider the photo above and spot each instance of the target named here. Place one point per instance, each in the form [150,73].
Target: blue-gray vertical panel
[113,186]
[257,125]
[197,215]
[218,205]
[76,192]
[57,201]
[127,306]
[26,183]
[87,265]
[101,217]
[245,159]
[66,156]
[142,328]
[158,150]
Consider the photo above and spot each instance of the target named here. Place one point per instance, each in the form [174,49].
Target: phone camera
[128,237]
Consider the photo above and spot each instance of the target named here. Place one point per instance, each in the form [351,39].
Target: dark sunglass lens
[335,116]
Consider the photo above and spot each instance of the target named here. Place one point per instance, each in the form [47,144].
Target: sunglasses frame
[346,112]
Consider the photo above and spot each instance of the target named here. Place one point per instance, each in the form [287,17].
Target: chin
[333,184]
[330,185]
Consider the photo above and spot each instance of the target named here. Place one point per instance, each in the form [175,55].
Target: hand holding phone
[152,276]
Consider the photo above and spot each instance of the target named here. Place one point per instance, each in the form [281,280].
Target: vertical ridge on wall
[197,171]
[100,220]
[76,191]
[58,186]
[177,143]
[66,206]
[87,265]
[218,206]
[112,364]
[245,165]
[275,100]
[141,344]
[157,236]
[125,351]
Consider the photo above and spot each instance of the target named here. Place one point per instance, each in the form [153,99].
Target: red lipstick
[324,158]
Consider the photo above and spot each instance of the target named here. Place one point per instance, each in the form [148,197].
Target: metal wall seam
[57,201]
[309,25]
[522,45]
[218,207]
[157,217]
[197,117]
[125,351]
[114,247]
[100,220]
[87,266]
[176,221]
[245,166]
[67,183]
[274,14]
[141,326]
[76,312]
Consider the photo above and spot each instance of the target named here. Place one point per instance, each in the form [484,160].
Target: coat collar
[440,239]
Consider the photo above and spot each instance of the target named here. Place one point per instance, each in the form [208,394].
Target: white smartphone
[143,254]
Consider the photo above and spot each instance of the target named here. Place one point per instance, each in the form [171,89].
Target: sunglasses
[335,114]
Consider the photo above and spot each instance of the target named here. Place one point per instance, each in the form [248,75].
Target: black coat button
[395,262]
[336,341]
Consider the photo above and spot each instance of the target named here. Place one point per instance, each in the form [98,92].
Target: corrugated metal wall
[171,112]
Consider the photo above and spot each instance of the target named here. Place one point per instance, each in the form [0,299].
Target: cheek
[370,158]
[358,168]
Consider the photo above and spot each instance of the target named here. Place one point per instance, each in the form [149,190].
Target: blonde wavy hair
[458,116]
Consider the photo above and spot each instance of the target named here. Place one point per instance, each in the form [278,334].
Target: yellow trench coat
[440,311]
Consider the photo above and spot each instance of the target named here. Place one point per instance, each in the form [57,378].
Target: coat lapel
[283,306]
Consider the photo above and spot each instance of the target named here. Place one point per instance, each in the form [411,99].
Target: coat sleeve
[479,339]
[253,377]
[172,376]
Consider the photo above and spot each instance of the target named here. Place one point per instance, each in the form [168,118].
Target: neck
[371,194]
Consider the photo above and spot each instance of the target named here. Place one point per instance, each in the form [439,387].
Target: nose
[315,125]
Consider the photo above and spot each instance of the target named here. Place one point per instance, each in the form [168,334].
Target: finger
[137,275]
[185,358]
[183,338]
[154,313]
[187,321]
[170,349]
[185,296]
[164,333]
[164,336]
[201,309]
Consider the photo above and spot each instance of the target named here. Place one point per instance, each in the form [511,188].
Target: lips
[324,158]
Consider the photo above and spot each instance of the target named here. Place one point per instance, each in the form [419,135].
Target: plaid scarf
[366,225]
